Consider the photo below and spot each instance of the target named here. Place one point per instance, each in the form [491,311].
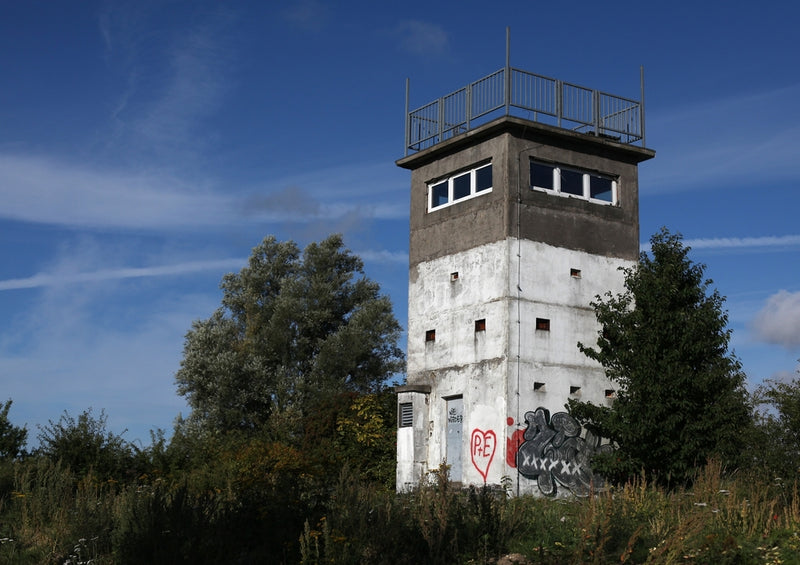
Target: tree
[84,444]
[680,398]
[12,438]
[776,445]
[292,329]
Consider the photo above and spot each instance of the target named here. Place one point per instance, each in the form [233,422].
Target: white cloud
[384,256]
[307,14]
[59,279]
[737,242]
[51,191]
[778,321]
[422,38]
[45,190]
[743,242]
[751,138]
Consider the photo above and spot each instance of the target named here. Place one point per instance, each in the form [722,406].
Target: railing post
[408,121]
[441,119]
[468,109]
[559,101]
[507,97]
[596,111]
[641,104]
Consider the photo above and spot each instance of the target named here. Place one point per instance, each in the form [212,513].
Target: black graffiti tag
[554,454]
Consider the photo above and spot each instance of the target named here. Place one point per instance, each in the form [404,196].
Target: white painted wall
[494,370]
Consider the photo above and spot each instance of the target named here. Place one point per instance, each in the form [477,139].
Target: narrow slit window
[406,417]
[480,325]
[543,324]
[430,335]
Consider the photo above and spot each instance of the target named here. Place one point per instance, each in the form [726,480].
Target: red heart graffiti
[482,446]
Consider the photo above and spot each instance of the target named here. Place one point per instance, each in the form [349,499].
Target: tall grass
[52,517]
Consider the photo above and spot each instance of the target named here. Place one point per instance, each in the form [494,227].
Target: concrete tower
[524,205]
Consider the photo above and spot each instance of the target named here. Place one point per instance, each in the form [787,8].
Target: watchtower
[524,206]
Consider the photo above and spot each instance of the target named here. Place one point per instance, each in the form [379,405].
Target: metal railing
[539,98]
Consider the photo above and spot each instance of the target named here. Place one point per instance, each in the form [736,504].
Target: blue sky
[146,147]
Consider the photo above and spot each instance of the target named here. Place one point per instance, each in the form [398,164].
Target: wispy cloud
[60,279]
[750,138]
[778,322]
[45,190]
[744,242]
[384,256]
[51,191]
[422,38]
[172,80]
[307,14]
[780,241]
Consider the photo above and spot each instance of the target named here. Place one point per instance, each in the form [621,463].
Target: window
[430,335]
[454,276]
[573,182]
[575,273]
[574,389]
[538,387]
[543,324]
[610,393]
[480,325]
[406,417]
[460,187]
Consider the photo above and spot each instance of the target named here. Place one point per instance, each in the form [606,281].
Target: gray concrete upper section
[512,209]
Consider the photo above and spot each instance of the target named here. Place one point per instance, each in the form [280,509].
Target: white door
[455,420]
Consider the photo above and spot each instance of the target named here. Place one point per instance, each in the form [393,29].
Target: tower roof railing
[511,91]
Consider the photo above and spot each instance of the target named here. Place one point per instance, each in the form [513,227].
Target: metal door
[454,447]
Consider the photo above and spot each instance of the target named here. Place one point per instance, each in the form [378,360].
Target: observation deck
[515,92]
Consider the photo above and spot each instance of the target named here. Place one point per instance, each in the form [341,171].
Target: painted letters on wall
[482,446]
[551,451]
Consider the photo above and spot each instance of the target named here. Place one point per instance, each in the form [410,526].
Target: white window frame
[473,192]
[586,186]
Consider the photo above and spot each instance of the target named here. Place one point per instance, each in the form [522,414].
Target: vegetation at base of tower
[311,481]
[776,438]
[12,438]
[680,395]
[293,329]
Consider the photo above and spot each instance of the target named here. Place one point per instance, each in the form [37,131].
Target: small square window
[483,178]
[575,273]
[454,276]
[462,185]
[571,182]
[480,325]
[574,389]
[430,335]
[601,188]
[611,393]
[538,387]
[406,416]
[439,194]
[543,324]
[542,176]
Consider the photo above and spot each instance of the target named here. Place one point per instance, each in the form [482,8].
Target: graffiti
[551,451]
[482,446]
[453,417]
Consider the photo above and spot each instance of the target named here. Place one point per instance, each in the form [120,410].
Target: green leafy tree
[85,444]
[680,392]
[293,329]
[777,438]
[12,438]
